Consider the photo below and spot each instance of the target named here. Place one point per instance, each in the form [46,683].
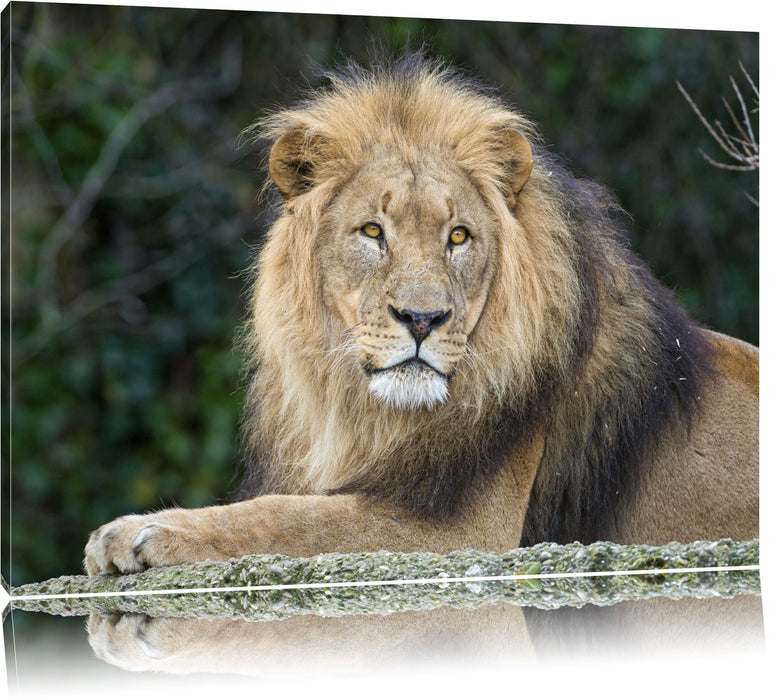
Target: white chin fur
[411,385]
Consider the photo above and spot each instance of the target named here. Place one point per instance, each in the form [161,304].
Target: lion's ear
[519,159]
[291,163]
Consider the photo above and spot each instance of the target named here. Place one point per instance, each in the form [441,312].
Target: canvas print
[380,338]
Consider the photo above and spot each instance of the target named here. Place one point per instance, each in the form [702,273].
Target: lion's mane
[577,338]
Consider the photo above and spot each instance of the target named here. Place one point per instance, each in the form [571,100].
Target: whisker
[343,350]
[347,341]
[476,355]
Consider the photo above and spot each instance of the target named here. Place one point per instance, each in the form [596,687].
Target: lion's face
[406,259]
[398,240]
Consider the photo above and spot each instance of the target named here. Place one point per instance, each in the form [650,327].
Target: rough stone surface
[309,586]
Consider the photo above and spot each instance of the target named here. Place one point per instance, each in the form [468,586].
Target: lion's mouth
[410,384]
[413,364]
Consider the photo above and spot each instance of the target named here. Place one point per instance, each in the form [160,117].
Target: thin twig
[750,132]
[744,150]
[751,84]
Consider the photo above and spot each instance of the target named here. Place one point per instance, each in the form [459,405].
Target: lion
[451,345]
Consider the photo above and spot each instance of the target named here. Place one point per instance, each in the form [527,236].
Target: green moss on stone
[271,587]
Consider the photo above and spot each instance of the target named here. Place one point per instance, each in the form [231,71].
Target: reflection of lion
[452,346]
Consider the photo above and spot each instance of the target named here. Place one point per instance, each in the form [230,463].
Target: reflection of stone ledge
[310,585]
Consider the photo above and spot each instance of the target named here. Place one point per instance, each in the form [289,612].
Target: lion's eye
[372,230]
[458,235]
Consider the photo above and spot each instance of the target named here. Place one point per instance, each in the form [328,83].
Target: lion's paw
[133,641]
[131,544]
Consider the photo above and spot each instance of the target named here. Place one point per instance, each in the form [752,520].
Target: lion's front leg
[298,526]
[293,525]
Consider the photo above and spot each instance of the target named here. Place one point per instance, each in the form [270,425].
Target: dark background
[133,212]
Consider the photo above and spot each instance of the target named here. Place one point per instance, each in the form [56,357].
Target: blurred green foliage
[133,211]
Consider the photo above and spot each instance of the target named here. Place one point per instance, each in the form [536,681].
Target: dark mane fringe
[604,452]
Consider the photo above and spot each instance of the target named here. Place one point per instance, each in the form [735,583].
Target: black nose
[420,323]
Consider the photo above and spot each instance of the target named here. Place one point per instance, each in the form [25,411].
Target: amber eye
[458,235]
[372,230]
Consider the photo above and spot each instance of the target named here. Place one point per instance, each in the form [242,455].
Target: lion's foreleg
[292,525]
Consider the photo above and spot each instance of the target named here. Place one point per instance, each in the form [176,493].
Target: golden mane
[574,339]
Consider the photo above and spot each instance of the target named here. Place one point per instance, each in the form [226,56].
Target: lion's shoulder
[736,360]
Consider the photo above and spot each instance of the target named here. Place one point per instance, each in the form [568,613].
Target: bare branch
[749,131]
[746,138]
[751,84]
[743,149]
[700,116]
[726,166]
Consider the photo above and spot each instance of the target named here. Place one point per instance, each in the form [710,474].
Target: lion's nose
[420,323]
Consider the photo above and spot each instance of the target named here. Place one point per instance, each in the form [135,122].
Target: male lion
[452,346]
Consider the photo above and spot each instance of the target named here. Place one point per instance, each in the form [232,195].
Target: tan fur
[547,352]
[312,645]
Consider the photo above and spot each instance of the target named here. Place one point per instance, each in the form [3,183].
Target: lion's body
[705,486]
[452,346]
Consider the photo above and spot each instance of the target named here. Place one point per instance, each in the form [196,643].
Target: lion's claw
[128,545]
